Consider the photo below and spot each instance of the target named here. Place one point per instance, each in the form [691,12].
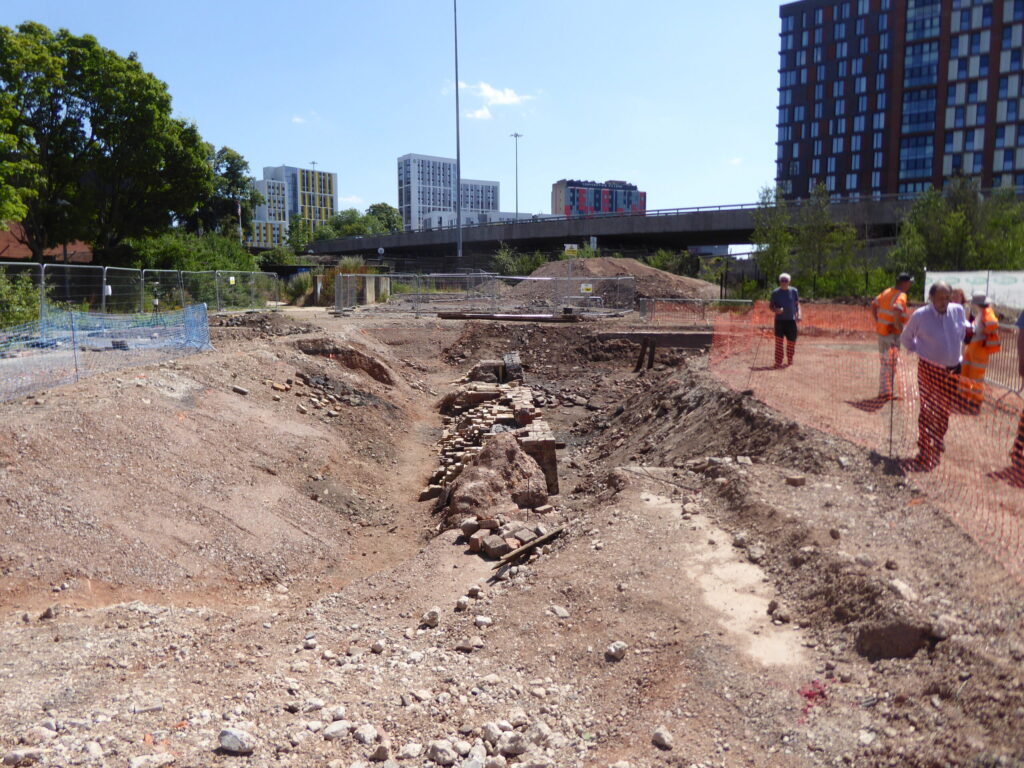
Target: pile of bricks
[497,536]
[480,410]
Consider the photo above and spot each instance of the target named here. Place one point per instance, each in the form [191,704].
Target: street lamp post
[458,150]
[517,137]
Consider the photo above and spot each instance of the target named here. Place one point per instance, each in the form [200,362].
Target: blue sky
[676,96]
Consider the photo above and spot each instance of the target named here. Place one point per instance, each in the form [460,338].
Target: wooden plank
[520,318]
[515,553]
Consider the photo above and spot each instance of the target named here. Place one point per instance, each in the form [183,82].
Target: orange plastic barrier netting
[959,452]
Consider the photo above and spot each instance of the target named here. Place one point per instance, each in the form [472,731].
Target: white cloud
[480,114]
[351,200]
[736,161]
[492,97]
[298,119]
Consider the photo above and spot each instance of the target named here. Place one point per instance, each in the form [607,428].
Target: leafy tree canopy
[959,229]
[95,149]
[232,194]
[191,253]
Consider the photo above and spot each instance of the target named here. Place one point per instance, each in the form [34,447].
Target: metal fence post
[42,299]
[103,292]
[216,286]
[181,287]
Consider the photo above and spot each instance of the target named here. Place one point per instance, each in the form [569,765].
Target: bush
[509,261]
[298,285]
[19,300]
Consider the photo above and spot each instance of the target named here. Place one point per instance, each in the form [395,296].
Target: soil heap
[650,282]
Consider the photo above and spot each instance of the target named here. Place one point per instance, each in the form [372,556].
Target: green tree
[190,253]
[822,247]
[233,190]
[12,198]
[390,218]
[95,143]
[665,260]
[773,236]
[958,229]
[299,234]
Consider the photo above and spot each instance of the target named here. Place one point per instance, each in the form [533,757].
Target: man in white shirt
[936,333]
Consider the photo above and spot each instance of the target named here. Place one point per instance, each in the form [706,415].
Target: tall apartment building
[886,96]
[292,193]
[270,220]
[426,194]
[583,198]
[311,195]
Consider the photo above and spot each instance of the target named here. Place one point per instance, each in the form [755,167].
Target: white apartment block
[291,192]
[311,195]
[426,194]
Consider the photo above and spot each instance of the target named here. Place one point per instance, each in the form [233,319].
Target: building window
[980,115]
[851,181]
[958,117]
[1004,87]
[916,154]
[855,143]
[855,163]
[1008,159]
[830,165]
[876,179]
[1001,136]
[837,145]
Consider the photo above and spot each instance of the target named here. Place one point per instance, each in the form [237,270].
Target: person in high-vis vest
[984,343]
[890,313]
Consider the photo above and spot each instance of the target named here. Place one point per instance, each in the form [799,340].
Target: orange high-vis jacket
[891,305]
[988,338]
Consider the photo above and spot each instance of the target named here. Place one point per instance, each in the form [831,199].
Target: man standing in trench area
[889,310]
[935,332]
[984,343]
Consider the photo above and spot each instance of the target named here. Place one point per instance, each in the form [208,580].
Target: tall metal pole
[517,136]
[458,145]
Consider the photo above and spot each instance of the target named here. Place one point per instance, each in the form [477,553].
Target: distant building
[270,220]
[585,198]
[895,96]
[426,194]
[291,193]
[310,195]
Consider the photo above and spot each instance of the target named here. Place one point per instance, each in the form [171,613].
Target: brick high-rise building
[584,198]
[885,96]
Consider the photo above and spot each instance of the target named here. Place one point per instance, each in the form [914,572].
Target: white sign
[1003,288]
[586,287]
[572,248]
[231,279]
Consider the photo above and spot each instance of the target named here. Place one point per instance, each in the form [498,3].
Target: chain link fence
[66,346]
[832,382]
[689,312]
[116,290]
[482,292]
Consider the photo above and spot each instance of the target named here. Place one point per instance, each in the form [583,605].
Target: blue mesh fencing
[68,346]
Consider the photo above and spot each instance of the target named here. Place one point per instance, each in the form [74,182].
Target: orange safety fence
[952,437]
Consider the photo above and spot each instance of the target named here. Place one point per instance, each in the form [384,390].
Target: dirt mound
[650,282]
[501,472]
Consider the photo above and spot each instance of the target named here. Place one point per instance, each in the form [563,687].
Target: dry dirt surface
[649,281]
[221,562]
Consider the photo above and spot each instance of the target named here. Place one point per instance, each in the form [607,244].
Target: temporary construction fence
[700,312]
[115,290]
[483,292]
[67,346]
[834,383]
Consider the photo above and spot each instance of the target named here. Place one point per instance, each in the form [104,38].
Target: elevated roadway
[674,229]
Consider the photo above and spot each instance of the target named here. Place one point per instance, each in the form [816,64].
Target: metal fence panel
[67,346]
[162,290]
[483,292]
